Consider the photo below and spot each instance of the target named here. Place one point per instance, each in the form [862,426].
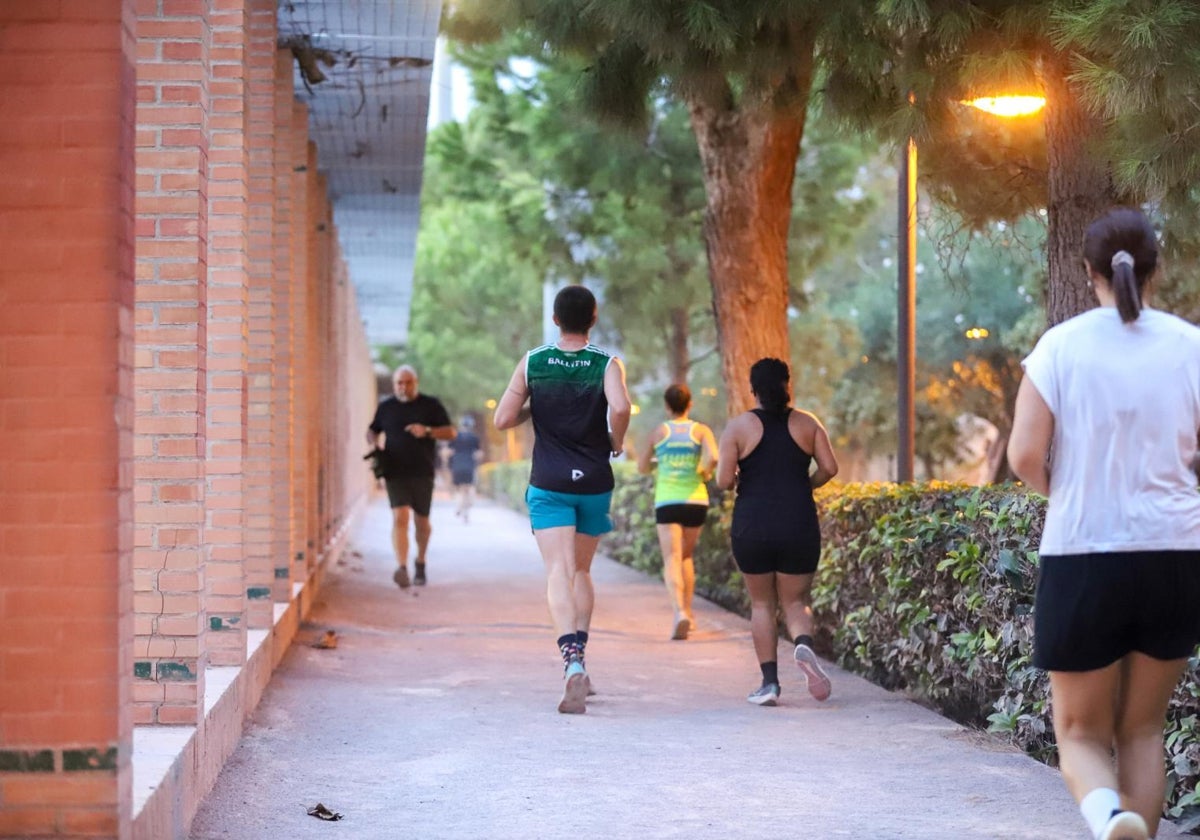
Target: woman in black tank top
[776,537]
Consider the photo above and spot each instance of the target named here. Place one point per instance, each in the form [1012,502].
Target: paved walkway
[435,718]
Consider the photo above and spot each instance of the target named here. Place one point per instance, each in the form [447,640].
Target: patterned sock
[568,646]
[770,672]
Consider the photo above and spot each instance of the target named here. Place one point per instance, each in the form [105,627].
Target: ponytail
[1121,247]
[1125,287]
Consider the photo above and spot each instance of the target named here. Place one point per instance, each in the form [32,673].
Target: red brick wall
[66,416]
[174,43]
[184,379]
[228,315]
[281,286]
[260,130]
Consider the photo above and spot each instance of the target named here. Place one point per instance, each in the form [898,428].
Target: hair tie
[1122,258]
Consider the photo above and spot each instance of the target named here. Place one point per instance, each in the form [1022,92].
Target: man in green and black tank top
[575,394]
[571,447]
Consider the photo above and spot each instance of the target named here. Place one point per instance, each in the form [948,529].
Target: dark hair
[769,381]
[678,398]
[575,309]
[1128,230]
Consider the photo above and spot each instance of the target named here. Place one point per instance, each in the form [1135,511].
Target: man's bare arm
[513,408]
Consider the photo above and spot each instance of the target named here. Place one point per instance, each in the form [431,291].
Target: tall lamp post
[906,302]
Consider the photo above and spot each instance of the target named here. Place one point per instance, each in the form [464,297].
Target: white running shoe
[817,680]
[1125,825]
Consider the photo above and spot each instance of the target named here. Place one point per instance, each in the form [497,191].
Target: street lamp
[906,303]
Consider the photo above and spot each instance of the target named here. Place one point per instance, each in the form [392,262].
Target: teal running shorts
[587,513]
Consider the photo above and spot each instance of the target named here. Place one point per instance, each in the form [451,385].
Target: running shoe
[764,695]
[1125,825]
[574,699]
[814,675]
[419,578]
[401,577]
[681,628]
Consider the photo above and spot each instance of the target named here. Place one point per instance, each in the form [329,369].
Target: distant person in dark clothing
[410,423]
[776,537]
[465,452]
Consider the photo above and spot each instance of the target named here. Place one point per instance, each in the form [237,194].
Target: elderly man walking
[409,424]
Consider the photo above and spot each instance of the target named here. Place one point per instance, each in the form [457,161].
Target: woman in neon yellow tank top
[686,455]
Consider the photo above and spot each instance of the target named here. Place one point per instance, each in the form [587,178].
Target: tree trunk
[749,157]
[1081,189]
[678,361]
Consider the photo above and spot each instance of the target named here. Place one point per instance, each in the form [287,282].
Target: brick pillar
[66,417]
[318,276]
[282,432]
[228,301]
[260,130]
[171,379]
[301,370]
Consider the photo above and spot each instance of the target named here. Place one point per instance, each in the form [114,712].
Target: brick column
[228,291]
[171,379]
[260,130]
[282,437]
[300,384]
[66,417]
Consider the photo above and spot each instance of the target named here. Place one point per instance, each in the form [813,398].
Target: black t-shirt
[408,455]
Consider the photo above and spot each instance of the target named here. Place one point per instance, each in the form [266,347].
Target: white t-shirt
[1126,406]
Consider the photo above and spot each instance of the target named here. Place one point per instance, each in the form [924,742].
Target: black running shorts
[1093,609]
[687,515]
[415,492]
[789,557]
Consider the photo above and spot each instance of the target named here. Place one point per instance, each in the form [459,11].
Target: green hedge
[925,589]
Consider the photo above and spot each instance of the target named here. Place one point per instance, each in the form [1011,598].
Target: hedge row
[925,589]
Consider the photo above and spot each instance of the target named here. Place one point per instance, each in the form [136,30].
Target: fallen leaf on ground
[327,642]
[322,813]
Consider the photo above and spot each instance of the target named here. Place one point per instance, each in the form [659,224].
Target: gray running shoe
[814,675]
[401,577]
[419,578]
[574,699]
[764,695]
[680,631]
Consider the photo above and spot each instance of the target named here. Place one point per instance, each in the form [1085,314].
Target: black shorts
[1093,609]
[687,515]
[415,492]
[789,557]
[461,477]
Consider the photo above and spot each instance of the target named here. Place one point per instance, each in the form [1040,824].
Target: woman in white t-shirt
[1106,425]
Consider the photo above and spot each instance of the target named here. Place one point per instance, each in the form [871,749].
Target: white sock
[1097,808]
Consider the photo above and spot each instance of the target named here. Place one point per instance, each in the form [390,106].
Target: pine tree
[744,69]
[1119,125]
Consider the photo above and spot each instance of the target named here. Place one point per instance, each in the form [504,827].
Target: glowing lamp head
[1008,106]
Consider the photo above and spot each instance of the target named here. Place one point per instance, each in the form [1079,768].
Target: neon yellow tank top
[678,481]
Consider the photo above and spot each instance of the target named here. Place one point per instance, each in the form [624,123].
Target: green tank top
[678,481]
[570,419]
